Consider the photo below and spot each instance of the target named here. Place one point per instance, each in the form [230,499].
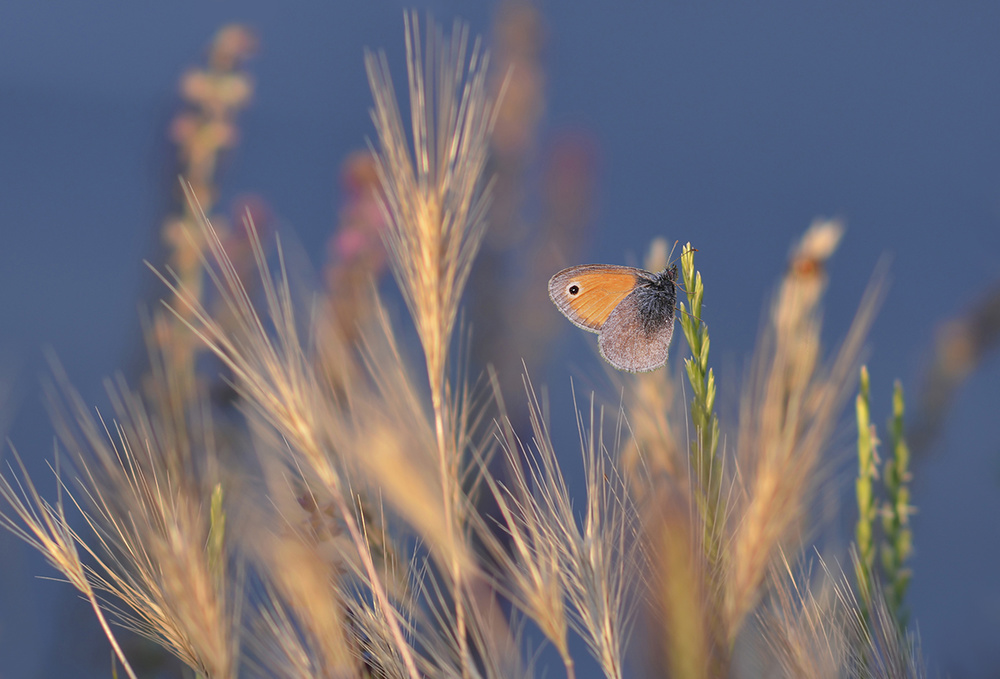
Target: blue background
[729,124]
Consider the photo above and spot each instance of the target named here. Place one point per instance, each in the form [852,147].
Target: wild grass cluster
[328,498]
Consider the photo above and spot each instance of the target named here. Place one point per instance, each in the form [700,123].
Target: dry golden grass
[435,209]
[786,422]
[339,534]
[44,526]
[814,629]
[147,501]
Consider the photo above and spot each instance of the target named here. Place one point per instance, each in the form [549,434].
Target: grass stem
[867,471]
[706,423]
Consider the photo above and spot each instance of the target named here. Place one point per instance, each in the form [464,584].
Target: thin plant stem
[867,470]
[111,637]
[448,486]
[898,538]
[706,423]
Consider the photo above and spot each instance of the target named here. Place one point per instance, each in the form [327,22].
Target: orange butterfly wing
[587,294]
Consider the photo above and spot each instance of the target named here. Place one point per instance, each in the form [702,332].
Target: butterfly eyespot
[573,289]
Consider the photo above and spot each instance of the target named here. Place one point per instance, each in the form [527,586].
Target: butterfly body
[631,310]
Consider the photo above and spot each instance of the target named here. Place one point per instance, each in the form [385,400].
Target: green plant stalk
[898,540]
[216,546]
[706,424]
[867,470]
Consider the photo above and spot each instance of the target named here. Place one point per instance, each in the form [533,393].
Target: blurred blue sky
[730,124]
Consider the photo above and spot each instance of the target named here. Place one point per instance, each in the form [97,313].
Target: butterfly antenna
[675,247]
[670,255]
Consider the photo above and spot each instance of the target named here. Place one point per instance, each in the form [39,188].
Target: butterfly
[631,310]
